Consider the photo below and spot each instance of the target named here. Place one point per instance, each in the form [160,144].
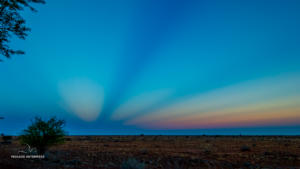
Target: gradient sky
[157,67]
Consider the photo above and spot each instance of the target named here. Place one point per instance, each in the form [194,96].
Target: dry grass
[160,152]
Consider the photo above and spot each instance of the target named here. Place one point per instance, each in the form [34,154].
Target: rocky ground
[163,152]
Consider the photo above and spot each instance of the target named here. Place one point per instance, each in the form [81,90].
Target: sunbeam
[272,93]
[154,23]
[139,103]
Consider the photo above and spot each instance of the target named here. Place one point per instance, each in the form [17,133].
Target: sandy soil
[163,152]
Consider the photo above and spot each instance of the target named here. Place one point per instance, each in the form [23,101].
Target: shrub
[132,163]
[68,139]
[245,148]
[6,139]
[43,134]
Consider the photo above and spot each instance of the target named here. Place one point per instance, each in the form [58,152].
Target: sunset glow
[154,67]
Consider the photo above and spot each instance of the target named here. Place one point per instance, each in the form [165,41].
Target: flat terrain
[164,152]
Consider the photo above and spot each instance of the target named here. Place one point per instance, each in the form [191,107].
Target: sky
[178,67]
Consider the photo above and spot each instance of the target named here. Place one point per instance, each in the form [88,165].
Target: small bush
[267,153]
[207,152]
[245,148]
[144,151]
[6,139]
[68,139]
[43,134]
[132,163]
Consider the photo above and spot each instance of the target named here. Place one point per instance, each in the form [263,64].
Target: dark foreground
[163,152]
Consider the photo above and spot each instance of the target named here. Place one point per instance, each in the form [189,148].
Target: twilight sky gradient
[157,67]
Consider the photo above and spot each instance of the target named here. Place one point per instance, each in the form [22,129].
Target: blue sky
[170,66]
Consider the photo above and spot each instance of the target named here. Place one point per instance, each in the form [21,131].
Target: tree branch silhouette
[13,24]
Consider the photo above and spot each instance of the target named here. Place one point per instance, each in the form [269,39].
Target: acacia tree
[12,23]
[43,134]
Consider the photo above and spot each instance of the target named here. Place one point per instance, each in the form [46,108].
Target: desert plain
[162,152]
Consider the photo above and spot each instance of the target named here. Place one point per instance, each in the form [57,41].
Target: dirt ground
[163,152]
